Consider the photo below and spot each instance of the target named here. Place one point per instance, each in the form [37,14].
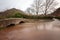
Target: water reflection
[52,26]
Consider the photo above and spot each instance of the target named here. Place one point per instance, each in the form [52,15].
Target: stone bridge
[9,21]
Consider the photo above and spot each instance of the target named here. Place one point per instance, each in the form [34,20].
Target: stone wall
[6,22]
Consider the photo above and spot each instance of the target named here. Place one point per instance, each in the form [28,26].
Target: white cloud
[19,4]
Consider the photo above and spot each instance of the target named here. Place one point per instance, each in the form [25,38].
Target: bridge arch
[21,22]
[10,25]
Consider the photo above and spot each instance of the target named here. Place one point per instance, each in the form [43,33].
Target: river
[45,30]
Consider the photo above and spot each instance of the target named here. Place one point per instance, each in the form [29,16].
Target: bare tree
[43,6]
[49,6]
[28,10]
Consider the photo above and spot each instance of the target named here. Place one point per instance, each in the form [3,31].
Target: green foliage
[16,15]
[20,15]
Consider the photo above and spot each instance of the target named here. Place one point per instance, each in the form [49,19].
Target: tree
[28,10]
[43,6]
[50,6]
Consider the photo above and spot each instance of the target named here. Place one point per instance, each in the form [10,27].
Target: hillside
[10,12]
[56,13]
[16,13]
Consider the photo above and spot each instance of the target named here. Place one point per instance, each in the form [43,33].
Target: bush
[20,15]
[57,17]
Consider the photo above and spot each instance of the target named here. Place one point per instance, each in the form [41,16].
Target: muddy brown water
[33,31]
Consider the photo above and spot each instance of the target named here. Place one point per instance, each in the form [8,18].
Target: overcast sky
[19,4]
